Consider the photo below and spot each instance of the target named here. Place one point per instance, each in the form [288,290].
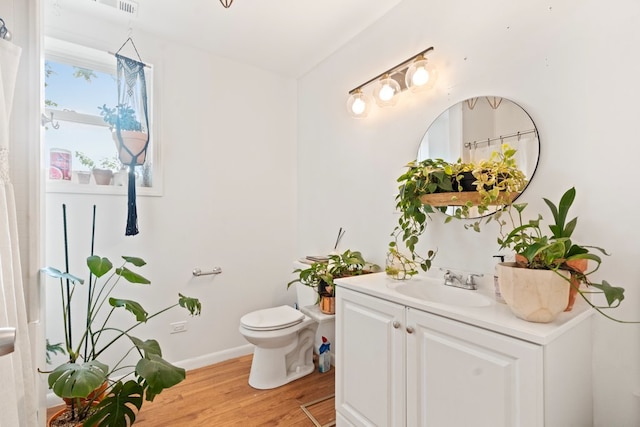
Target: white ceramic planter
[533,295]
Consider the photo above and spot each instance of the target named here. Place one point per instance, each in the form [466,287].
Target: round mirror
[472,129]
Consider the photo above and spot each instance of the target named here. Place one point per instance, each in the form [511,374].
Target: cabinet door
[370,360]
[460,375]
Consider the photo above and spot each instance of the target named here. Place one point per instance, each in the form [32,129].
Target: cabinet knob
[410,329]
[396,324]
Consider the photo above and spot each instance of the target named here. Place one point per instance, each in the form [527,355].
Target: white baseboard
[188,365]
[213,358]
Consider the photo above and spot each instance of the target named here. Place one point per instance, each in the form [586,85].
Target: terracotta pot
[328,304]
[51,420]
[580,265]
[533,295]
[135,142]
[95,396]
[102,176]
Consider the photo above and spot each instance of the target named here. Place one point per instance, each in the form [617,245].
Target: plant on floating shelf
[93,396]
[497,180]
[493,180]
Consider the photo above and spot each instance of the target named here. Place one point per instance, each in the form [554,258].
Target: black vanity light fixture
[415,73]
[226,3]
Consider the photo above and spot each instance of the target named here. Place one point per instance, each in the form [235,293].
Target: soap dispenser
[496,283]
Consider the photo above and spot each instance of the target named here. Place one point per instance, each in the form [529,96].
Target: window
[78,81]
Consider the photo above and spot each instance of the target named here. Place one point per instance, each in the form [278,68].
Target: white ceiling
[286,36]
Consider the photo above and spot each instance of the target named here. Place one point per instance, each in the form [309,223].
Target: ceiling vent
[128,7]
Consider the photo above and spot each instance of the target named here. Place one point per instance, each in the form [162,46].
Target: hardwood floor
[220,395]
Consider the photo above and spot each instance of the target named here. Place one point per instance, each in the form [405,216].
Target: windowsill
[113,190]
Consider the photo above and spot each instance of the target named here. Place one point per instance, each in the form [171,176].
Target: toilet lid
[271,319]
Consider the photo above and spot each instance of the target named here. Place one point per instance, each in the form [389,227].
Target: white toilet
[283,338]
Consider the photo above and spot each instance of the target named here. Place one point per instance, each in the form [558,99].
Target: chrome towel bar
[197,272]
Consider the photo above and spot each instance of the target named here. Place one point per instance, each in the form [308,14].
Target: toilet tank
[305,295]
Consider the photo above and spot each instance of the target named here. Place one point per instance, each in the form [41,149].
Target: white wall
[572,65]
[227,135]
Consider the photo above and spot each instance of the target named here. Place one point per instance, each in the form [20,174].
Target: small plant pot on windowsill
[121,178]
[84,177]
[102,176]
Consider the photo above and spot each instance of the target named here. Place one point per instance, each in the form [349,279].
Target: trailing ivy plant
[425,177]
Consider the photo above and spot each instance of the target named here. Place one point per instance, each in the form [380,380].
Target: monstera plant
[98,394]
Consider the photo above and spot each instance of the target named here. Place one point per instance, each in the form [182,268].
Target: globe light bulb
[420,75]
[358,104]
[386,91]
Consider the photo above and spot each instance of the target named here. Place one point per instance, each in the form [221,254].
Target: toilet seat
[271,319]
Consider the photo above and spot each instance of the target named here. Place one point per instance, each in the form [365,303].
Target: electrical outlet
[177,327]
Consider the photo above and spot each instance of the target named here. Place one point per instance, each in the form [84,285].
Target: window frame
[87,57]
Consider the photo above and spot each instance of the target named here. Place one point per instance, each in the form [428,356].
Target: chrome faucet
[452,279]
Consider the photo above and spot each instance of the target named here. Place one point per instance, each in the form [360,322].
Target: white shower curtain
[17,387]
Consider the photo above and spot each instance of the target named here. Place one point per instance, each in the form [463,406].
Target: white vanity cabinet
[399,365]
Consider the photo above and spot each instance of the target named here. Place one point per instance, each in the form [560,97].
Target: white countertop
[496,316]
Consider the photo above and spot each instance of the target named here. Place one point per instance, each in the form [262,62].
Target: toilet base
[274,366]
[265,379]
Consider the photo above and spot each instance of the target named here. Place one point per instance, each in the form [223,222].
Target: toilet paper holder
[197,272]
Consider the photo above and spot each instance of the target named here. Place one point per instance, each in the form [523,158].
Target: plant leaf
[611,293]
[148,347]
[75,380]
[158,375]
[191,304]
[98,266]
[116,410]
[132,306]
[57,274]
[132,277]
[138,262]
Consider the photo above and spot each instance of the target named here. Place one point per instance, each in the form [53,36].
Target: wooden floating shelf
[457,198]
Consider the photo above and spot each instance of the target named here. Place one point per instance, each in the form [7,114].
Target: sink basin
[439,293]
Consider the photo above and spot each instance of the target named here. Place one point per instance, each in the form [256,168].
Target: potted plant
[554,255]
[321,275]
[123,122]
[98,394]
[435,185]
[108,167]
[85,176]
